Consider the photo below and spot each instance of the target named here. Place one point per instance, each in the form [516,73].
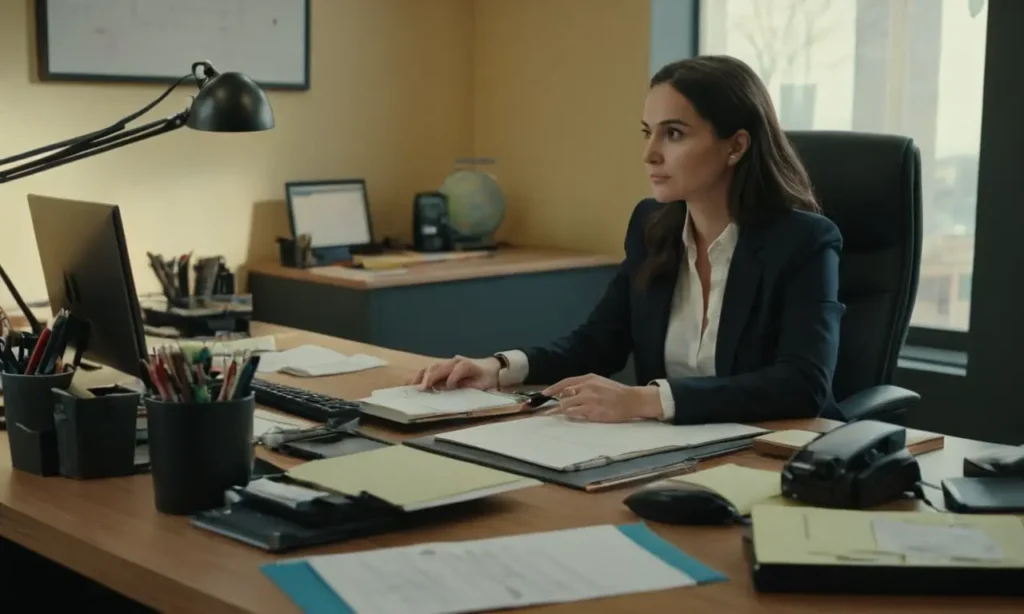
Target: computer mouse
[1000,463]
[682,503]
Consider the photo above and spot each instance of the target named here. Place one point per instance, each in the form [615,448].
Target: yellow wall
[559,87]
[394,106]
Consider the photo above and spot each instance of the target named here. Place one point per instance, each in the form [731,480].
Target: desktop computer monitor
[334,213]
[85,264]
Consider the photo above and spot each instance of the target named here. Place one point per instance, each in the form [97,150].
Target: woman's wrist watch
[502,365]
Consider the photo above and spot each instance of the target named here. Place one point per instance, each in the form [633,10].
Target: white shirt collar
[725,242]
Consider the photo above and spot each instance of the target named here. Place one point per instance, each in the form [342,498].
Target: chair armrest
[888,403]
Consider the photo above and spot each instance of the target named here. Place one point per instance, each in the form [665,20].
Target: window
[913,67]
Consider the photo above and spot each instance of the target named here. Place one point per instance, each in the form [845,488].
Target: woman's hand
[598,399]
[459,372]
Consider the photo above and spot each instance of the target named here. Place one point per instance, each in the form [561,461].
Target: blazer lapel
[740,291]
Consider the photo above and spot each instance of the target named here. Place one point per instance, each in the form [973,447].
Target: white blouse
[689,344]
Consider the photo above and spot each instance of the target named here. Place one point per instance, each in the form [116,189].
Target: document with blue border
[488,574]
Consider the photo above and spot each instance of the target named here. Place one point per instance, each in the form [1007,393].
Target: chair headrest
[868,184]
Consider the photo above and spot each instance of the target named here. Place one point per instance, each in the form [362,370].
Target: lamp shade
[231,102]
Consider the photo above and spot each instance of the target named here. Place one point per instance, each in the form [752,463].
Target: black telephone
[858,465]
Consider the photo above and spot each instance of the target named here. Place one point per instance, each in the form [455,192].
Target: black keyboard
[303,403]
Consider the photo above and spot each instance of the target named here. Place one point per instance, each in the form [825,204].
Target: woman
[727,296]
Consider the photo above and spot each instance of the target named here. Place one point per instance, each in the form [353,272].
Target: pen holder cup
[31,432]
[96,437]
[197,451]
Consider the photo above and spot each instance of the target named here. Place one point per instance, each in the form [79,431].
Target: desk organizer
[31,432]
[198,451]
[96,437]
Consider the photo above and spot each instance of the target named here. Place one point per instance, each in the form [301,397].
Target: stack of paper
[808,536]
[314,361]
[407,478]
[263,421]
[265,343]
[408,404]
[491,574]
[565,445]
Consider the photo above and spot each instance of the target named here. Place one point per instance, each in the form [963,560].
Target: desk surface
[110,530]
[505,261]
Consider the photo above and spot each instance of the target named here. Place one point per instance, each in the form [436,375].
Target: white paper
[934,540]
[314,361]
[412,401]
[263,421]
[562,444]
[288,493]
[503,572]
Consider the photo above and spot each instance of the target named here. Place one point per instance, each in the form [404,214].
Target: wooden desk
[110,531]
[441,308]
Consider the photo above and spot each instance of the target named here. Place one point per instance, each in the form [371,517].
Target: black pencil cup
[31,433]
[197,451]
[96,437]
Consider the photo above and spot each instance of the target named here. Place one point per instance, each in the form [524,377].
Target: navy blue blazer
[778,335]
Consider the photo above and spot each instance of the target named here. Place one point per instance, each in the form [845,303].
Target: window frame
[686,17]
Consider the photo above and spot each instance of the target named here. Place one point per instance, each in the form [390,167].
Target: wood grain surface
[109,530]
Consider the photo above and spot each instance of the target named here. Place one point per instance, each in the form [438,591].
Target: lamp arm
[95,146]
[87,144]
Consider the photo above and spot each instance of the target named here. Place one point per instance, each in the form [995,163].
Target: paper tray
[598,478]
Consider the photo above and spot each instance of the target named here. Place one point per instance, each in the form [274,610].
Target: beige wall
[393,106]
[559,87]
[551,88]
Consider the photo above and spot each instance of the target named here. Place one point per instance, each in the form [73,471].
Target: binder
[608,476]
[813,550]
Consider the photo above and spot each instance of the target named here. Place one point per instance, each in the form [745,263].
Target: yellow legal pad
[742,486]
[407,478]
[816,536]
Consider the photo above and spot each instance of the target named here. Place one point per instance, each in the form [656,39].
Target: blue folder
[305,588]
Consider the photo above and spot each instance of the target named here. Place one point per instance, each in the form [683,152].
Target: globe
[476,204]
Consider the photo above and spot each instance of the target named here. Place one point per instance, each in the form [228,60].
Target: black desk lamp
[228,102]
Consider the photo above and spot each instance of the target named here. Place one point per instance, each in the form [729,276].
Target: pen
[245,379]
[37,352]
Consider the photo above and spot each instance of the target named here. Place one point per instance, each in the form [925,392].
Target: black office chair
[870,186]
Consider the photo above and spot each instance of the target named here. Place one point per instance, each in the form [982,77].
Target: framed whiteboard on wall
[156,41]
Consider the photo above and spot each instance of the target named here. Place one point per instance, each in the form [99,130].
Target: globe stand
[469,244]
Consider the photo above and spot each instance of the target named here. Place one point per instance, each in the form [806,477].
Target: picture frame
[156,41]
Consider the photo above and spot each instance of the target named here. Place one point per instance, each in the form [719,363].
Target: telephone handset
[858,465]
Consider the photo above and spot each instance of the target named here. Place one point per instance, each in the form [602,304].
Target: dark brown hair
[769,177]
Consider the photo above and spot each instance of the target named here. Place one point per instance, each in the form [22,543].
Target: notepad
[408,404]
[407,478]
[742,486]
[565,445]
[316,361]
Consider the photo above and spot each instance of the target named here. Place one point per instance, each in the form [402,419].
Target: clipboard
[605,477]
